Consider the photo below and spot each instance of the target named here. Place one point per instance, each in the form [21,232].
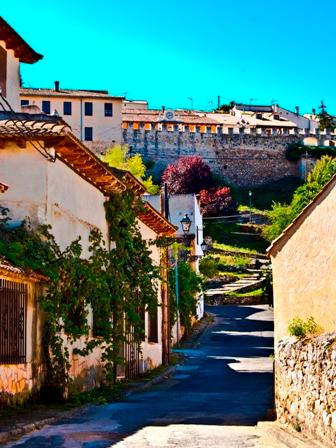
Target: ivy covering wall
[118,284]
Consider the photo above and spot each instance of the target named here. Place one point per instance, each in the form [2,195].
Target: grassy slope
[230,236]
[262,197]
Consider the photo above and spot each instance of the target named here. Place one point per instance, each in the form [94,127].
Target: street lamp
[185,223]
[204,247]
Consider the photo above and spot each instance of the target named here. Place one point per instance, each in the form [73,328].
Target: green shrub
[300,328]
[208,267]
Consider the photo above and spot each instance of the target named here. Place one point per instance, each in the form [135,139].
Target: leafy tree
[326,121]
[188,175]
[118,157]
[282,215]
[217,202]
[225,108]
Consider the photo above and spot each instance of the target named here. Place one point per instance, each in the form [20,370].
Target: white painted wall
[74,206]
[13,80]
[179,205]
[302,122]
[50,193]
[152,352]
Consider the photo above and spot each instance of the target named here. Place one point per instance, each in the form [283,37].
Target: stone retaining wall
[305,385]
[241,158]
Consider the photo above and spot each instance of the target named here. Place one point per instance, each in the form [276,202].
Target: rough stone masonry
[305,385]
[242,159]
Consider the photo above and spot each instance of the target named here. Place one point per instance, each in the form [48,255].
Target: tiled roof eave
[155,221]
[8,270]
[15,42]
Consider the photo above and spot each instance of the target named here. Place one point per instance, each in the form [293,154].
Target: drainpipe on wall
[81,120]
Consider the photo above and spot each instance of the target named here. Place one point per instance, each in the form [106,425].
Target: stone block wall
[305,385]
[241,158]
[18,382]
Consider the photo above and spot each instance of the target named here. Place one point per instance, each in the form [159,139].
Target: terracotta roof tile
[8,270]
[154,220]
[77,156]
[15,42]
[157,116]
[69,93]
[3,187]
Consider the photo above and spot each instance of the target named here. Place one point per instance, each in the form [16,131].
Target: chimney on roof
[57,84]
[297,110]
[163,108]
[314,111]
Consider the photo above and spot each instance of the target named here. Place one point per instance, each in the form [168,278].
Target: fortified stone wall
[305,385]
[241,157]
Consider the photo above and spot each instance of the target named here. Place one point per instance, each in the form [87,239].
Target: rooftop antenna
[274,101]
[252,100]
[191,102]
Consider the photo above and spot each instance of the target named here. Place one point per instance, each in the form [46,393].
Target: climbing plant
[119,284]
[189,284]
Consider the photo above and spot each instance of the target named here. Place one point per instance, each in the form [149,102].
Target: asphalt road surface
[224,387]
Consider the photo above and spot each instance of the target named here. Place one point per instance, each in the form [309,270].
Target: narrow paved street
[227,379]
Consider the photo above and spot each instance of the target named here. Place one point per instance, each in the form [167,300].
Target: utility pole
[177,297]
[164,285]
[218,102]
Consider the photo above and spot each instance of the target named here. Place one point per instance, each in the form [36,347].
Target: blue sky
[254,51]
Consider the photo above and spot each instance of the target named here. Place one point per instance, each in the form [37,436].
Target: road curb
[287,436]
[19,431]
[24,429]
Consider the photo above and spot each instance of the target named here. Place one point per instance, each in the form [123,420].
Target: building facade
[245,147]
[13,50]
[55,179]
[94,116]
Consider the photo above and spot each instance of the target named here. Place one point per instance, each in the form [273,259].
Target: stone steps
[241,285]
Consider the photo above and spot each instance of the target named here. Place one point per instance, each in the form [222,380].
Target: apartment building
[95,117]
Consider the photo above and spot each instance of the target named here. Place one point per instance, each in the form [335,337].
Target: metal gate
[13,325]
[131,354]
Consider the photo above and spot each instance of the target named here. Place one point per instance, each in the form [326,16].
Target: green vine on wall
[119,284]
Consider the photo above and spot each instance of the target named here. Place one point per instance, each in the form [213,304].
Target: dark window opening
[13,322]
[108,109]
[24,102]
[98,324]
[46,107]
[67,108]
[276,117]
[88,109]
[88,134]
[153,326]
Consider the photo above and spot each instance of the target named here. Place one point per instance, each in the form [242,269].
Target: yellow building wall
[304,271]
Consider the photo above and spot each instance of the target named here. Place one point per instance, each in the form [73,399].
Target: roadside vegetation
[281,215]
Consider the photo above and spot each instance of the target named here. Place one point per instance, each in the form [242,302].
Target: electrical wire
[15,120]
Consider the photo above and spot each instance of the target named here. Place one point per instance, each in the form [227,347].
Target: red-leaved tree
[217,202]
[188,175]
